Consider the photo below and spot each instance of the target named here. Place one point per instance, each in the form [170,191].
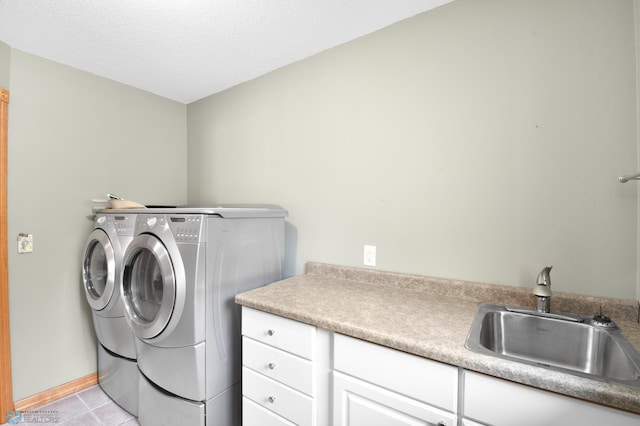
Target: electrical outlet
[370,255]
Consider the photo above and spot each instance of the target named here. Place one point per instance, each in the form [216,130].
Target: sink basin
[569,343]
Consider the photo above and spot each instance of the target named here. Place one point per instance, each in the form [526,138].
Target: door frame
[6,390]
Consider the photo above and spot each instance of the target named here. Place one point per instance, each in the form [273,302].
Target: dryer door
[148,286]
[99,269]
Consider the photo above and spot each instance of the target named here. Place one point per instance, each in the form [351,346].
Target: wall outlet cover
[370,255]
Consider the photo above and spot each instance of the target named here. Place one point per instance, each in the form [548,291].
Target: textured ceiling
[189,49]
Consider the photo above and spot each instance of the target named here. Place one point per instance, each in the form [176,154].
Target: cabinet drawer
[289,403]
[429,381]
[282,333]
[255,415]
[288,369]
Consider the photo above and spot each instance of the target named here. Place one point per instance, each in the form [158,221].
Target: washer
[101,276]
[182,271]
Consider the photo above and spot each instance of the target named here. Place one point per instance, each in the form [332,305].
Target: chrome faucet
[542,290]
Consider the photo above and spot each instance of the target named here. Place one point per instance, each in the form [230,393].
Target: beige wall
[482,141]
[73,137]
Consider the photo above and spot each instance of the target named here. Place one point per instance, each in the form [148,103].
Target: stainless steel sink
[573,344]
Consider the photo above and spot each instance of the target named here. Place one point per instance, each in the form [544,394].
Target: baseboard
[58,392]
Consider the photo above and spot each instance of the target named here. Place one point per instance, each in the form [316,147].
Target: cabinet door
[500,403]
[358,403]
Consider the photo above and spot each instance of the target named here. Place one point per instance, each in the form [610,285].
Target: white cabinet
[278,371]
[296,374]
[374,385]
[497,402]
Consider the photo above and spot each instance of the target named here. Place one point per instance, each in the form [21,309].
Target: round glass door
[98,269]
[148,286]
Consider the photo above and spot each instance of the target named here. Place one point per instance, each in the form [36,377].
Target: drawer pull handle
[271,332]
[272,366]
[272,399]
[442,424]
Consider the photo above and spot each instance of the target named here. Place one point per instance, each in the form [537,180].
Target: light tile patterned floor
[89,407]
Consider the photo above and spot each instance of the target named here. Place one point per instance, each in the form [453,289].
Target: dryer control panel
[186,228]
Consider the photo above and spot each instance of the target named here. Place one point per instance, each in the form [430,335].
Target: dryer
[182,271]
[101,276]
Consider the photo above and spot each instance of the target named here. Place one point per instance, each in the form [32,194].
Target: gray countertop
[430,317]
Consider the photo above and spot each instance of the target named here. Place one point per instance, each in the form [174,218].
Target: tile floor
[89,407]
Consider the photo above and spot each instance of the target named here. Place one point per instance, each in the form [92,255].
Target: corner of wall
[5,65]
[636,24]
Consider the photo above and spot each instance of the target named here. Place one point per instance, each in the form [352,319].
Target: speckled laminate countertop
[431,317]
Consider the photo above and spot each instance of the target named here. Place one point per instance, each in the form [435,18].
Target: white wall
[73,137]
[480,141]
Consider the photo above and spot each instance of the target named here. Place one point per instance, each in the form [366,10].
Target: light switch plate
[25,243]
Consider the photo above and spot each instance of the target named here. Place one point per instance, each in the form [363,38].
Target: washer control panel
[125,223]
[150,223]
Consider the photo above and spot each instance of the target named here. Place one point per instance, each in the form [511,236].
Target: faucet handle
[542,290]
[544,277]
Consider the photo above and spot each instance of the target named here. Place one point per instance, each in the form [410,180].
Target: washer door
[148,286]
[99,269]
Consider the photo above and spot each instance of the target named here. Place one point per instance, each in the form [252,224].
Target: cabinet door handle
[272,366]
[271,332]
[271,399]
[442,424]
